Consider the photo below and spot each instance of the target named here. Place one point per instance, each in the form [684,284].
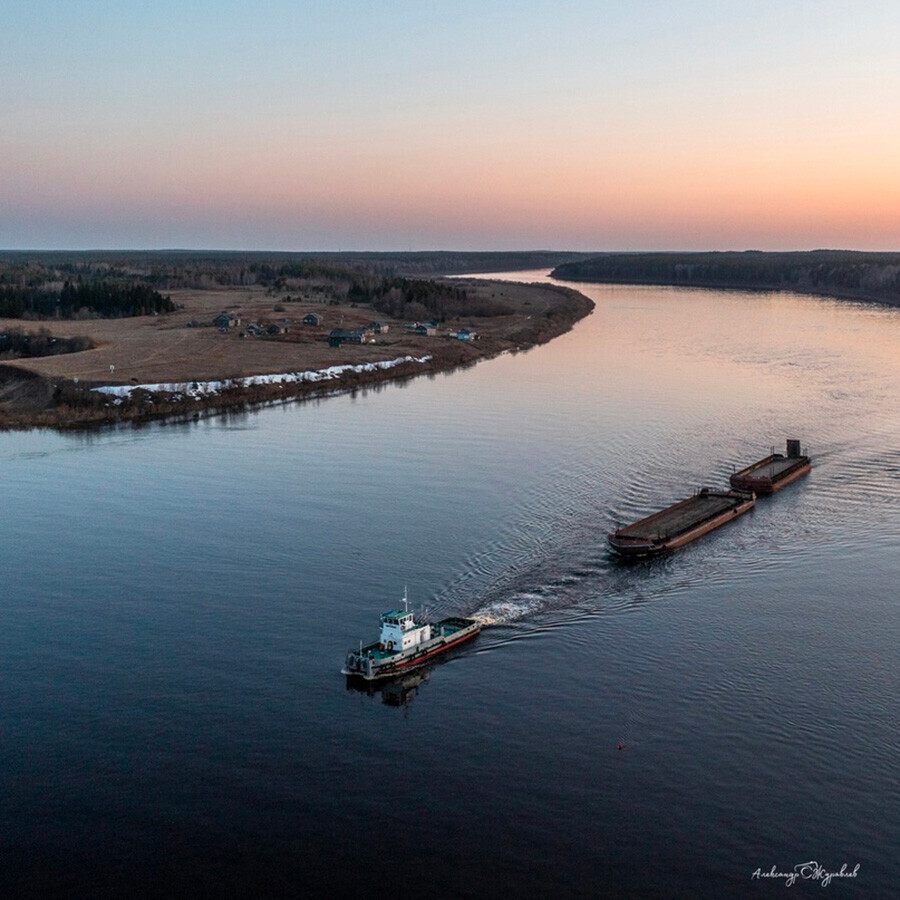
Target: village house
[312,319]
[339,336]
[226,320]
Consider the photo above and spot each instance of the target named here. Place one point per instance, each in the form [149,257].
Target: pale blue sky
[395,124]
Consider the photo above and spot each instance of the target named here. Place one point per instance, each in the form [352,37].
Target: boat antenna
[405,599]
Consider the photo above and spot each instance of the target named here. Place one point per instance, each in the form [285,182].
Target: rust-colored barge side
[681,523]
[774,472]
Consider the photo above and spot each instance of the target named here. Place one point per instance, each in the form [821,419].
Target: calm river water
[178,601]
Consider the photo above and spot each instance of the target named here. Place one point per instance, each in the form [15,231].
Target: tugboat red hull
[378,661]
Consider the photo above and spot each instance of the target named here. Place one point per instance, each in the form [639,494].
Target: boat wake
[566,583]
[554,568]
[509,609]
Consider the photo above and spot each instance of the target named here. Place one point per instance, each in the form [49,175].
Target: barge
[774,472]
[681,523]
[405,644]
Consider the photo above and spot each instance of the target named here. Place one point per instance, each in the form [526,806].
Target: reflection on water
[398,691]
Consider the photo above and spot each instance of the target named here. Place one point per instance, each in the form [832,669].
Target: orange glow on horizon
[763,195]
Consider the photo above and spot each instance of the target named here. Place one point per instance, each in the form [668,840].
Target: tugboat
[404,644]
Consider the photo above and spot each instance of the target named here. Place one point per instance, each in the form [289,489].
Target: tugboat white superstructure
[405,644]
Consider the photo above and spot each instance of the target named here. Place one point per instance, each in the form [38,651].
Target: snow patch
[200,389]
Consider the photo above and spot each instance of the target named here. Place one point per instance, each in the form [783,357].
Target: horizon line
[409,252]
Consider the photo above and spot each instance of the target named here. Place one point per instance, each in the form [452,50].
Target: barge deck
[681,523]
[773,472]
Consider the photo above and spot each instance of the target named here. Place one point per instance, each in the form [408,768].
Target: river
[179,599]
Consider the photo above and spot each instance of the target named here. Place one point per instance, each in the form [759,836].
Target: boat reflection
[398,691]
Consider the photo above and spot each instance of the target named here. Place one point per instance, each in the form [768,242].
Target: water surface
[179,599]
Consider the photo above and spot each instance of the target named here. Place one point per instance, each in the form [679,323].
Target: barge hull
[681,523]
[774,472]
[770,474]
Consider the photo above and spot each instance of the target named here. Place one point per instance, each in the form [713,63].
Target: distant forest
[92,298]
[166,270]
[16,344]
[45,285]
[404,298]
[72,284]
[859,275]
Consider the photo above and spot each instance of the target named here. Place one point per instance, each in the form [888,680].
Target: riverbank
[841,274]
[153,367]
[855,296]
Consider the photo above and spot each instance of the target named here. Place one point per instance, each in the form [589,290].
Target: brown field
[165,349]
[154,349]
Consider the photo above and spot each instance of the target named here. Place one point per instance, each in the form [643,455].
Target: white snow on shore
[200,389]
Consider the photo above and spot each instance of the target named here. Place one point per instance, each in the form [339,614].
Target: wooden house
[338,336]
[227,320]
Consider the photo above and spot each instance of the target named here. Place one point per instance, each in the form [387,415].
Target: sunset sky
[387,125]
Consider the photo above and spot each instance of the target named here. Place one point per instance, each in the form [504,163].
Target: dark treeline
[16,344]
[174,269]
[842,272]
[405,298]
[129,283]
[92,298]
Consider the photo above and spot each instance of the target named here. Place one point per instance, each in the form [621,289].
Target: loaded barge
[404,644]
[681,523]
[774,472]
